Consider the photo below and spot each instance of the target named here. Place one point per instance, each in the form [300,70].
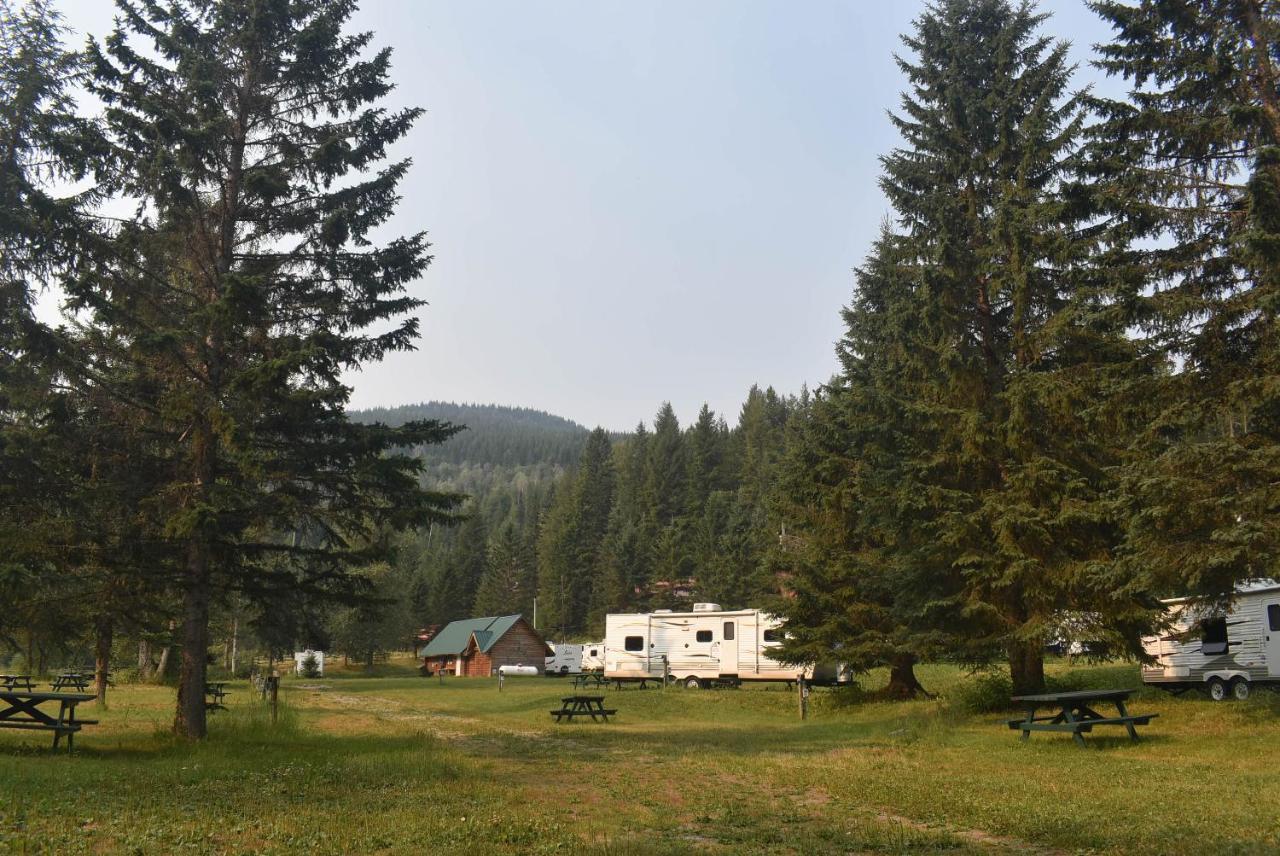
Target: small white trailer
[593,657]
[1224,654]
[567,659]
[707,645]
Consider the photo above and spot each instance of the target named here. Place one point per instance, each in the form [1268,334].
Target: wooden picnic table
[589,678]
[583,705]
[73,680]
[17,682]
[22,710]
[1076,714]
[216,692]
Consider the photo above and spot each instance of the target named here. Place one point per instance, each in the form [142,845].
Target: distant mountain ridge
[499,443]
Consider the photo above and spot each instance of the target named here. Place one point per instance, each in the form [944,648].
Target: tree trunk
[1026,668]
[162,667]
[145,665]
[235,639]
[902,678]
[102,659]
[189,721]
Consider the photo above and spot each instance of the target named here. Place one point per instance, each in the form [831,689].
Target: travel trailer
[567,659]
[593,657]
[1222,654]
[707,645]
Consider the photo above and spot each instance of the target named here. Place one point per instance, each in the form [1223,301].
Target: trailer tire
[693,683]
[1240,689]
[1217,689]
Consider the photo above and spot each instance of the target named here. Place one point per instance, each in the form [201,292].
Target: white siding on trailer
[676,635]
[1184,660]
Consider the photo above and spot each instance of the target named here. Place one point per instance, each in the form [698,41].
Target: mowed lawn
[406,764]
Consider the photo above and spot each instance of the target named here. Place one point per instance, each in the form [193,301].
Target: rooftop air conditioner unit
[706,607]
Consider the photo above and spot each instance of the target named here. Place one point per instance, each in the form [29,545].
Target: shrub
[985,692]
[310,666]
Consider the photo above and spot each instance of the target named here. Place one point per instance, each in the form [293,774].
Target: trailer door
[729,647]
[1271,636]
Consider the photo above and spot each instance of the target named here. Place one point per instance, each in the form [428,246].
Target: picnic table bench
[583,705]
[589,679]
[71,680]
[17,682]
[1075,713]
[22,710]
[216,692]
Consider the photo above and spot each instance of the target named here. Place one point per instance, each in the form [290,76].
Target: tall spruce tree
[248,282]
[38,130]
[507,585]
[1189,180]
[991,358]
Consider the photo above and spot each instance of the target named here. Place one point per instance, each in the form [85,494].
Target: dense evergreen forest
[1056,398]
[659,517]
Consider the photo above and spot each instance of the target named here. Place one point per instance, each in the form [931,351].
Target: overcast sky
[635,202]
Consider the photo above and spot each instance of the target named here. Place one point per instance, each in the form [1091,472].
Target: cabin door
[1271,636]
[729,648]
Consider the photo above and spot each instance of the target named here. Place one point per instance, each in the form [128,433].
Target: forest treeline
[659,517]
[1057,397]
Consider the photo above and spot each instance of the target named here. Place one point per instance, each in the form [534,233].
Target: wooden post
[501,675]
[273,685]
[804,697]
[666,671]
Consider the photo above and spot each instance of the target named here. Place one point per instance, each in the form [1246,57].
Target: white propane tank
[517,670]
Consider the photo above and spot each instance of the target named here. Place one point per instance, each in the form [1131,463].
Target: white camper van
[1221,654]
[593,657]
[566,661]
[704,646]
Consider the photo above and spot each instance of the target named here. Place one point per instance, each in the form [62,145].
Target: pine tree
[230,307]
[507,586]
[1188,172]
[569,549]
[38,127]
[978,495]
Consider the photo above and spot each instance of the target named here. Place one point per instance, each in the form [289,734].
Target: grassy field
[403,764]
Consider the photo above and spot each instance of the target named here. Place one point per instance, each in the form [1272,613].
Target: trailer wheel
[692,683]
[1240,689]
[1217,689]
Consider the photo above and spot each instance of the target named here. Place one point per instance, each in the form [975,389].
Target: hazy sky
[633,202]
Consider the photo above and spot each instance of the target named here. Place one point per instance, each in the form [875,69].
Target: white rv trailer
[566,661]
[706,645]
[1223,654]
[593,657]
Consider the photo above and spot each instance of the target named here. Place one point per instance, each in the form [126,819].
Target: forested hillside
[592,522]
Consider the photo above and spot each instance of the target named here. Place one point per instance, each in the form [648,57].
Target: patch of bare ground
[971,836]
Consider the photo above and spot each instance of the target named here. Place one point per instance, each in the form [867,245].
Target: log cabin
[476,647]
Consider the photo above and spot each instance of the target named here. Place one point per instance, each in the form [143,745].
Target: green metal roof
[455,636]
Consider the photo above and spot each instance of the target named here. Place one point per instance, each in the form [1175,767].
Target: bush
[985,692]
[310,666]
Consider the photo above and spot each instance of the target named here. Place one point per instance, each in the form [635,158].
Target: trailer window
[1213,638]
[634,643]
[728,631]
[773,635]
[1273,616]
[704,636]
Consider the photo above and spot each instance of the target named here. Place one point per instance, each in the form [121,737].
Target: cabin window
[704,636]
[1213,638]
[728,631]
[634,643]
[1273,616]
[773,635]
[593,653]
